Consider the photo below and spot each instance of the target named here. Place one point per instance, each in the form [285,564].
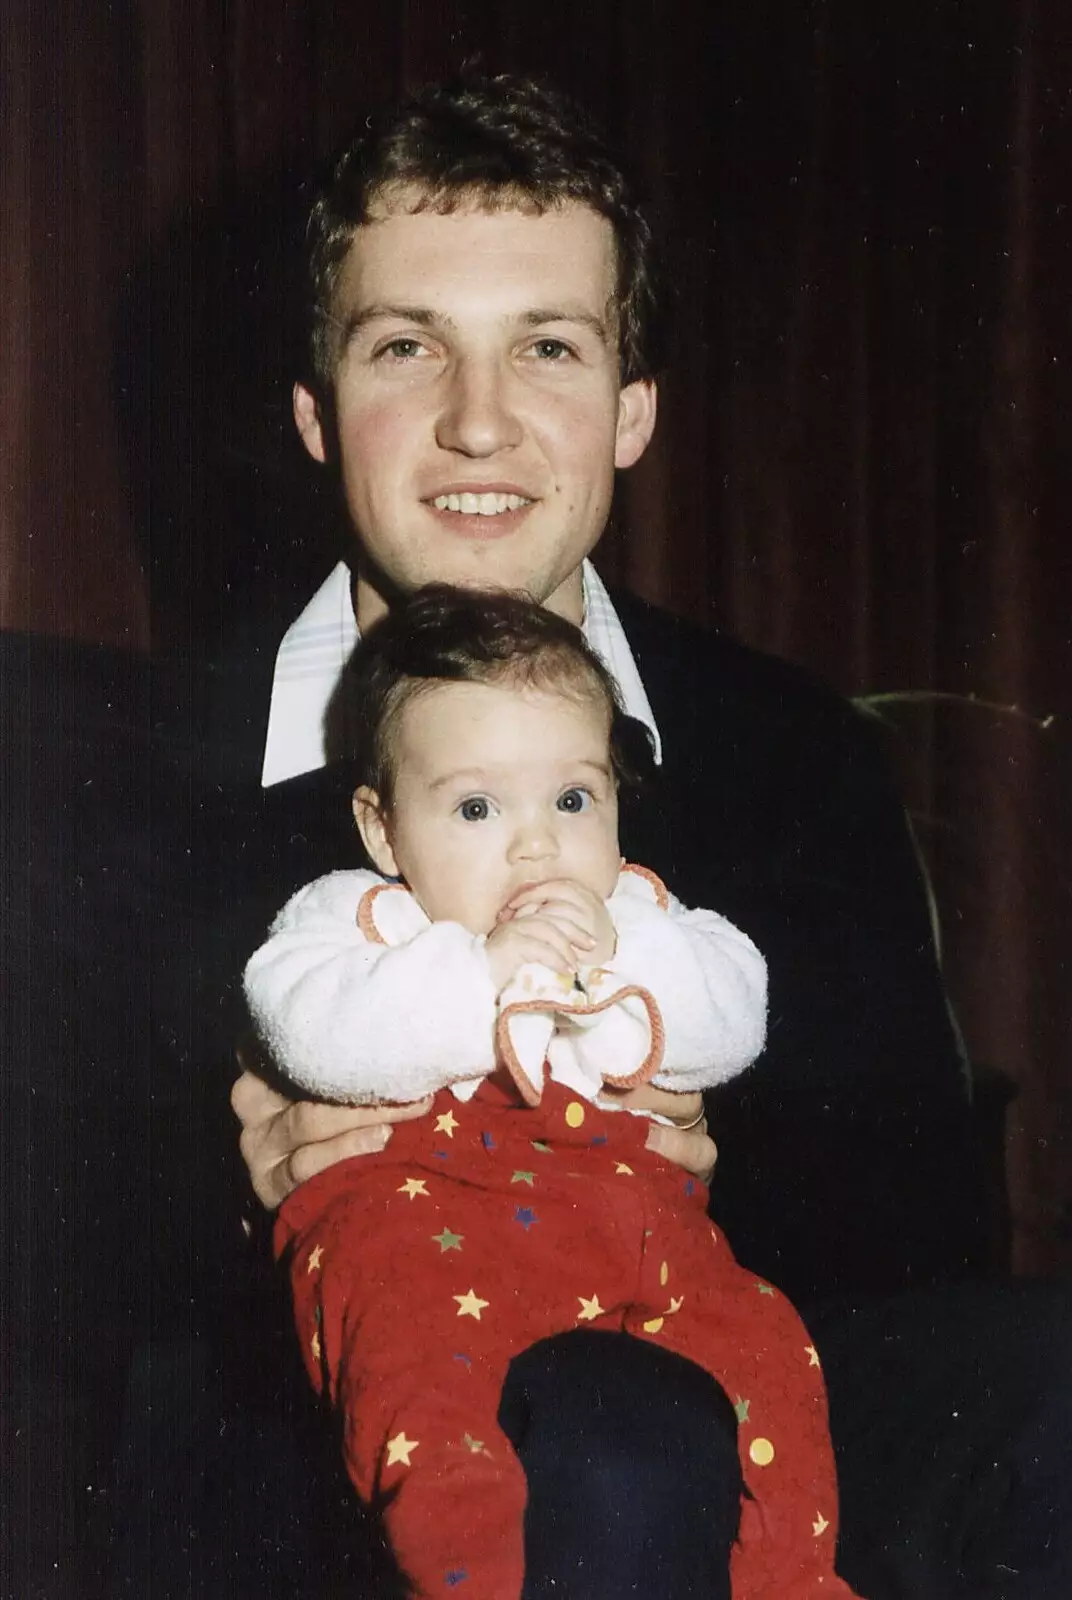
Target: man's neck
[370,604]
[318,643]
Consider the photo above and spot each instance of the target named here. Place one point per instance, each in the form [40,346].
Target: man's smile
[481,510]
[487,504]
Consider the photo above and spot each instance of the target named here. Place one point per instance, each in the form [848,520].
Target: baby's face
[498,787]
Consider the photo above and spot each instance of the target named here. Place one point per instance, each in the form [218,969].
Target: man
[484,351]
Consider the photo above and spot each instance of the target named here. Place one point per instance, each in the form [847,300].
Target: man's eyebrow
[541,315]
[423,316]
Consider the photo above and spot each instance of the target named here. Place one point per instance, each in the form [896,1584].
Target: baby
[504,959]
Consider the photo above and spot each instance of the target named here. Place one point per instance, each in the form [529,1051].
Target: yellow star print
[622,1167]
[447,1124]
[314,1345]
[820,1525]
[313,1263]
[764,1288]
[413,1187]
[812,1355]
[470,1304]
[399,1448]
[474,1445]
[676,1302]
[590,1309]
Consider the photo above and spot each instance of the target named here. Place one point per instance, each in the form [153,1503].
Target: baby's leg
[402,1348]
[423,1446]
[412,1294]
[695,1299]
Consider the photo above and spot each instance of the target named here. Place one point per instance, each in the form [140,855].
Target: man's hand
[690,1148]
[284,1142]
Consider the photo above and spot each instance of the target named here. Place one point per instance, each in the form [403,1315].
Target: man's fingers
[405,1111]
[309,1159]
[283,1141]
[307,1138]
[689,1148]
[311,1122]
[253,1101]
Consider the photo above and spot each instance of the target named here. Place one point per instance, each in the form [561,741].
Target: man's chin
[375,591]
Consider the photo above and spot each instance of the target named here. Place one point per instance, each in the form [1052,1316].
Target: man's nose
[477,418]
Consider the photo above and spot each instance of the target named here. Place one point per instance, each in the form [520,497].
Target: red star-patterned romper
[418,1274]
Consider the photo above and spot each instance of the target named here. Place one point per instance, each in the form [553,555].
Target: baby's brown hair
[441,634]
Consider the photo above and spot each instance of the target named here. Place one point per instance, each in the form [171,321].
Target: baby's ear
[371,819]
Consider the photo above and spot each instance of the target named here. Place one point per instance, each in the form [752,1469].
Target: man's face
[478,411]
[496,787]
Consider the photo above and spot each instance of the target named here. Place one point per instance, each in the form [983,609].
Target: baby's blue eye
[475,809]
[574,800]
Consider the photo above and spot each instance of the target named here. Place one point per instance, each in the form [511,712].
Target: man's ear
[371,819]
[309,422]
[637,406]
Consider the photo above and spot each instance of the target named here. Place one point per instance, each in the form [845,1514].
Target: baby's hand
[532,937]
[575,910]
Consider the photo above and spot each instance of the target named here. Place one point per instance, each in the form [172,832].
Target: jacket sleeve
[356,1021]
[708,982]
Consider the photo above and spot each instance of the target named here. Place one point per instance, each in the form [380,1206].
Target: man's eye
[574,800]
[552,350]
[401,349]
[476,809]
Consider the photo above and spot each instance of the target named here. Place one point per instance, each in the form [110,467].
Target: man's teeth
[480,505]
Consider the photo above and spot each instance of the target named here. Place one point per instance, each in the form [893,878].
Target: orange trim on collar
[366,915]
[662,897]
[643,1074]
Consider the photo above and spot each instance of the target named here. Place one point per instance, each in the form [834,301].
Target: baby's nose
[534,840]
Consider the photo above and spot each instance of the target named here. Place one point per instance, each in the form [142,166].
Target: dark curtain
[862,462]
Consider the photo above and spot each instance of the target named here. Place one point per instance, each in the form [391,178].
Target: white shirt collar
[318,643]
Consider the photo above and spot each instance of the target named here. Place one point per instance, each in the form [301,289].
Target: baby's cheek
[612,869]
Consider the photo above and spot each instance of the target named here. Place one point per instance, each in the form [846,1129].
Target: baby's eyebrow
[602,767]
[475,775]
[481,778]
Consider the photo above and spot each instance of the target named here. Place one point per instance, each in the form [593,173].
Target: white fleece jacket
[360,998]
